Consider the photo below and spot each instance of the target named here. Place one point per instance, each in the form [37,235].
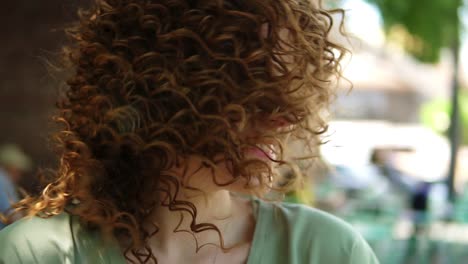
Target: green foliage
[431,24]
[436,115]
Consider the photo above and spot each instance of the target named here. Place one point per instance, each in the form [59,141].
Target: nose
[279,122]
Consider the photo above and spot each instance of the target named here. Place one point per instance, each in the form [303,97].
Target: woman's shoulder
[37,225]
[56,239]
[305,216]
[319,235]
[35,239]
[308,220]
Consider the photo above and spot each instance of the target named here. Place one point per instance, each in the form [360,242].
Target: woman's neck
[210,208]
[231,215]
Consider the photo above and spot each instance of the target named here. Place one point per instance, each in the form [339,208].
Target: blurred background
[32,37]
[396,162]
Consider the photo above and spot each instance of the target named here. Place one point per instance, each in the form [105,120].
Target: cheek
[242,184]
[207,179]
[222,178]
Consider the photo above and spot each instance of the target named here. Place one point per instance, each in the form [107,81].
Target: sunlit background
[396,162]
[393,166]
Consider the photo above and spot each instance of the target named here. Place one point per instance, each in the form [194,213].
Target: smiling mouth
[262,153]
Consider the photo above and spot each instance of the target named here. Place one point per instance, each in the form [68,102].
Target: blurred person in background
[383,159]
[416,191]
[13,164]
[175,124]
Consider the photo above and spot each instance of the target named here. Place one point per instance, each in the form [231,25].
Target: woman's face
[220,177]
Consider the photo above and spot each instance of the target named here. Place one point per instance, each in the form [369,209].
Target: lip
[260,153]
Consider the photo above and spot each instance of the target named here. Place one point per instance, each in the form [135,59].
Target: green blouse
[284,234]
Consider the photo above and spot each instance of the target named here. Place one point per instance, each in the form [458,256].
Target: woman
[177,112]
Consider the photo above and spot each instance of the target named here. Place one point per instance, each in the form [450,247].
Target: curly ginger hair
[158,80]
